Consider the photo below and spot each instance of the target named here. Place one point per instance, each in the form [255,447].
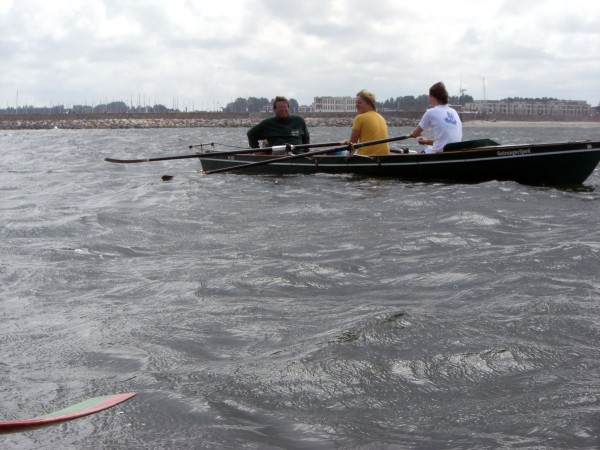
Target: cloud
[213,52]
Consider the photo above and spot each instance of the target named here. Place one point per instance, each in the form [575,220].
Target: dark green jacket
[291,130]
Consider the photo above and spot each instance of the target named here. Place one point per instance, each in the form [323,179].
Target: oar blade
[125,161]
[82,409]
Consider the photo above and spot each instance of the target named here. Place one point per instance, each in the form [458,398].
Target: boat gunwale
[408,159]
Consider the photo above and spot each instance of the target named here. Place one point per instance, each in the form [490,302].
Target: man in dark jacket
[281,129]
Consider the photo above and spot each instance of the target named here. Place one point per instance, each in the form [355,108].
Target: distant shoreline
[223,120]
[511,123]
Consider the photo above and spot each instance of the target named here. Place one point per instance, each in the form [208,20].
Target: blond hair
[367,97]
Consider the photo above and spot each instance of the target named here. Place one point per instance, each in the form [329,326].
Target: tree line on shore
[405,103]
[239,105]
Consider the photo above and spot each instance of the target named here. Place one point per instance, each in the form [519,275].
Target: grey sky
[204,54]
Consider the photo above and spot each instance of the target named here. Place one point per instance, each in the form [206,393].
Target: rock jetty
[208,120]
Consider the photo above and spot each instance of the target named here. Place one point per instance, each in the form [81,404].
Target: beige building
[333,104]
[556,108]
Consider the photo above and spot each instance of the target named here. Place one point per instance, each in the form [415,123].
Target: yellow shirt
[372,127]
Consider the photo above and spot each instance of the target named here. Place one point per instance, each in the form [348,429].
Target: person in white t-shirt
[443,121]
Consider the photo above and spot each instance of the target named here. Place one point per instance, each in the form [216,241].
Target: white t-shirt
[445,125]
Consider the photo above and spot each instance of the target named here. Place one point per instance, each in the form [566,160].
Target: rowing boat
[562,163]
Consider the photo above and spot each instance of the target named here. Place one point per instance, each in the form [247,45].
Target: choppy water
[293,312]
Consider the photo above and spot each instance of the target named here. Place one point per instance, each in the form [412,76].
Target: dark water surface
[293,312]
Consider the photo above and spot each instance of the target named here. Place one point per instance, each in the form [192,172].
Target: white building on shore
[333,104]
[556,108]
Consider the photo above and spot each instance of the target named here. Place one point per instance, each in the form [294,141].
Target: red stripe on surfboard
[85,408]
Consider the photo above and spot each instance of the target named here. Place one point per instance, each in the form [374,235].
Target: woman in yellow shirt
[369,125]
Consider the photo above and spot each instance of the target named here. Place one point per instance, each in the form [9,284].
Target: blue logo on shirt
[450,118]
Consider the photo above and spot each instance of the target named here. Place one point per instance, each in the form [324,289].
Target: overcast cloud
[204,54]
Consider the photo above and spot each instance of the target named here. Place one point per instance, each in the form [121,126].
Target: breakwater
[206,120]
[235,120]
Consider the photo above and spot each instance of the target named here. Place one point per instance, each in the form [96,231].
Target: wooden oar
[308,154]
[288,147]
[167,158]
[291,148]
[285,147]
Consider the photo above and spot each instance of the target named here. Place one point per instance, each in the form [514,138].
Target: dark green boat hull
[554,164]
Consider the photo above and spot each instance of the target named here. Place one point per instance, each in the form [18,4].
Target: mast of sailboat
[484,98]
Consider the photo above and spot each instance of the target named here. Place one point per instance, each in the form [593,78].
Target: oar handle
[324,144]
[292,147]
[380,141]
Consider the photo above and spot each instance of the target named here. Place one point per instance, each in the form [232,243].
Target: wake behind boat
[468,161]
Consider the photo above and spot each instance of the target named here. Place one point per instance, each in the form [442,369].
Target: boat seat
[463,145]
